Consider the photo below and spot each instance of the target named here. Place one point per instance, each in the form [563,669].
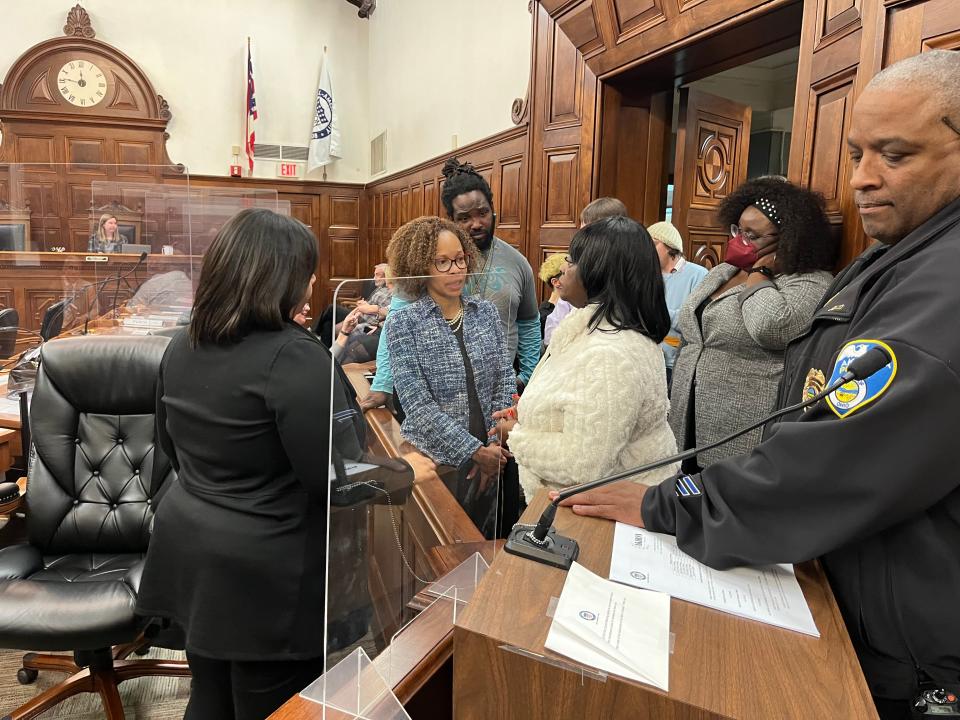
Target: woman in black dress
[237,556]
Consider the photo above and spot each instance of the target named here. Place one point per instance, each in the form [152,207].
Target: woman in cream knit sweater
[597,402]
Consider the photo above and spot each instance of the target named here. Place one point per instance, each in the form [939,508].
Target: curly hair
[552,267]
[462,178]
[411,250]
[806,241]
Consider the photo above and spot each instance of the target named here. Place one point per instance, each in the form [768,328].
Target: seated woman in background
[107,236]
[738,321]
[237,556]
[449,359]
[597,402]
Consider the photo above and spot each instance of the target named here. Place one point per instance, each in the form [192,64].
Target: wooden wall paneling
[500,159]
[829,79]
[634,139]
[416,201]
[431,199]
[634,17]
[713,136]
[561,149]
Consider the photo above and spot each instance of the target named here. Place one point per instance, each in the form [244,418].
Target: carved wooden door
[713,140]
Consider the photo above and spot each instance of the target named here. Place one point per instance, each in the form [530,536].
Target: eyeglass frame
[461,263]
[749,235]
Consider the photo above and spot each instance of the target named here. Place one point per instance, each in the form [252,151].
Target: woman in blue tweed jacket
[449,356]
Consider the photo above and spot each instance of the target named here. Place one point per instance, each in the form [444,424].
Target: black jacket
[238,552]
[876,493]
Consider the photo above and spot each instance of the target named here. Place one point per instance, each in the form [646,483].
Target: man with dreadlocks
[504,277]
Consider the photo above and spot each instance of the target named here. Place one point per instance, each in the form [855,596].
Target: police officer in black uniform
[867,480]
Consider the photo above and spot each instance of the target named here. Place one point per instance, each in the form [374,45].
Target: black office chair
[96,479]
[9,322]
[52,323]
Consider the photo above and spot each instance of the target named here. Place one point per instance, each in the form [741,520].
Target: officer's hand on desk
[620,501]
[423,467]
[374,400]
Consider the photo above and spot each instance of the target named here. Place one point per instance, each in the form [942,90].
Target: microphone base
[557,550]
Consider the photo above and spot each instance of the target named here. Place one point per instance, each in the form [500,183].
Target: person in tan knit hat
[680,277]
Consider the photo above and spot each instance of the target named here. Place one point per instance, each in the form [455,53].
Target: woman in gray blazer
[737,323]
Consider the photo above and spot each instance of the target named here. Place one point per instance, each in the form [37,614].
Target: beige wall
[194,52]
[440,68]
[422,69]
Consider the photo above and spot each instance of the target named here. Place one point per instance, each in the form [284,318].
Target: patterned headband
[768,209]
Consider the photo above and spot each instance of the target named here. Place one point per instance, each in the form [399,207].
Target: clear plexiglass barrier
[103,249]
[94,248]
[417,484]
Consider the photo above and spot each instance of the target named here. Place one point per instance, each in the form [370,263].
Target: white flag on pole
[325,135]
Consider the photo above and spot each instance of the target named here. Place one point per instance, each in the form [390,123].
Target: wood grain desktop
[721,667]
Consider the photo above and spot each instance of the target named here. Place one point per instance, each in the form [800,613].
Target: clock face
[82,83]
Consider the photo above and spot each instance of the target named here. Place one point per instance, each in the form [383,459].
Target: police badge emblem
[814,384]
[856,394]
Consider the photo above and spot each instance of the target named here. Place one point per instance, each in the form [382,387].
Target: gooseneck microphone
[541,543]
[116,278]
[116,293]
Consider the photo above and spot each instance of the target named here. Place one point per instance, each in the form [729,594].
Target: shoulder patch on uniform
[686,487]
[852,396]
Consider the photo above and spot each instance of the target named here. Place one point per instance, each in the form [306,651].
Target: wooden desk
[722,666]
[35,280]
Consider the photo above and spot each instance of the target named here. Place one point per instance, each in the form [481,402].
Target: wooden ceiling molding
[616,35]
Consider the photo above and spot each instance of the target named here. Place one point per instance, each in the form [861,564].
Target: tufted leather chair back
[98,473]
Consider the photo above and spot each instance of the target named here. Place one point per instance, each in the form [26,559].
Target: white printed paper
[619,630]
[653,561]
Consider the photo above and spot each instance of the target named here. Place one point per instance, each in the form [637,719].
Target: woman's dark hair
[256,271]
[618,266]
[806,242]
[461,178]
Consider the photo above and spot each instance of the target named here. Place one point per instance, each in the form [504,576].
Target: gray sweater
[730,362]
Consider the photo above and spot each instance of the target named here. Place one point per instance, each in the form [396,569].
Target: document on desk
[653,561]
[620,630]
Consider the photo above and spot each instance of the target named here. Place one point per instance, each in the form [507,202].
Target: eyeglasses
[749,235]
[444,264]
[568,260]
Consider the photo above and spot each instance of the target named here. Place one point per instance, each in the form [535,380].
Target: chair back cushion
[9,320]
[97,473]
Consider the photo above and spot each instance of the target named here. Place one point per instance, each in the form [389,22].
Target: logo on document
[588,616]
[851,396]
[641,576]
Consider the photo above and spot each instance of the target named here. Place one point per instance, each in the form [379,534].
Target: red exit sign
[288,170]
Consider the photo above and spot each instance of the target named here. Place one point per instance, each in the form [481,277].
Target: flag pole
[324,62]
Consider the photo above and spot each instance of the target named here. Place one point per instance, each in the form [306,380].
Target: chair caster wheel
[140,652]
[26,676]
